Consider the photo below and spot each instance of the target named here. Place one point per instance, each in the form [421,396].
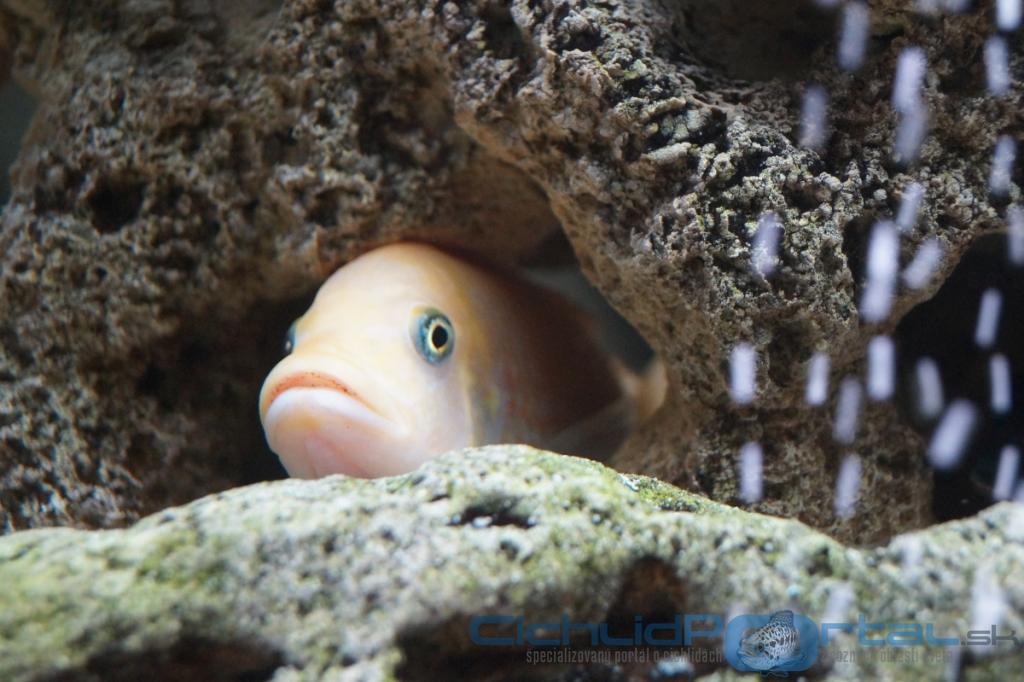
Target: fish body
[410,351]
[772,645]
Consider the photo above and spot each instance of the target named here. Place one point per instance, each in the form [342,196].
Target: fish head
[374,383]
[755,653]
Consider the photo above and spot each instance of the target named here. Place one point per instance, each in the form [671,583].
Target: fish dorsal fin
[781,618]
[598,435]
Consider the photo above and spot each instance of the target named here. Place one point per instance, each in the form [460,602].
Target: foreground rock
[347,578]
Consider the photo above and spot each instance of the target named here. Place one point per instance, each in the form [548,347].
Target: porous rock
[348,579]
[196,168]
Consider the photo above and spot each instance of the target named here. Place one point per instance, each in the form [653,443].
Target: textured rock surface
[307,580]
[195,168]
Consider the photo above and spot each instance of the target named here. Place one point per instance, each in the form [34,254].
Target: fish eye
[289,340]
[433,335]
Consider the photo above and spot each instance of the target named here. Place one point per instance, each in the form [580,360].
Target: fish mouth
[309,380]
[318,426]
[749,654]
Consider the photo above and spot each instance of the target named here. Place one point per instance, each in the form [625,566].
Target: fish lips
[300,378]
[319,428]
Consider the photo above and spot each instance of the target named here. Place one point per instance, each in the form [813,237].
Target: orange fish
[409,351]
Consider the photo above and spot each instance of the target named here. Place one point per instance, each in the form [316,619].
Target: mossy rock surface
[351,579]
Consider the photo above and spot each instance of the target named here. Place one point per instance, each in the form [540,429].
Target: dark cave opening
[767,40]
[649,598]
[208,377]
[187,659]
[15,115]
[554,266]
[943,329]
[269,327]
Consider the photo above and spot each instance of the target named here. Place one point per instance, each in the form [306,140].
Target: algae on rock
[349,579]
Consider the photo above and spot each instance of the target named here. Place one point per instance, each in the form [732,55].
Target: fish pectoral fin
[646,390]
[598,435]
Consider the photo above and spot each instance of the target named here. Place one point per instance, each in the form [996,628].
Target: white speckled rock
[350,579]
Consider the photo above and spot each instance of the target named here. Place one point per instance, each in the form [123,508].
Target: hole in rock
[652,601]
[502,35]
[445,651]
[114,202]
[190,659]
[943,329]
[649,593]
[204,383]
[856,235]
[205,380]
[754,40]
[494,512]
